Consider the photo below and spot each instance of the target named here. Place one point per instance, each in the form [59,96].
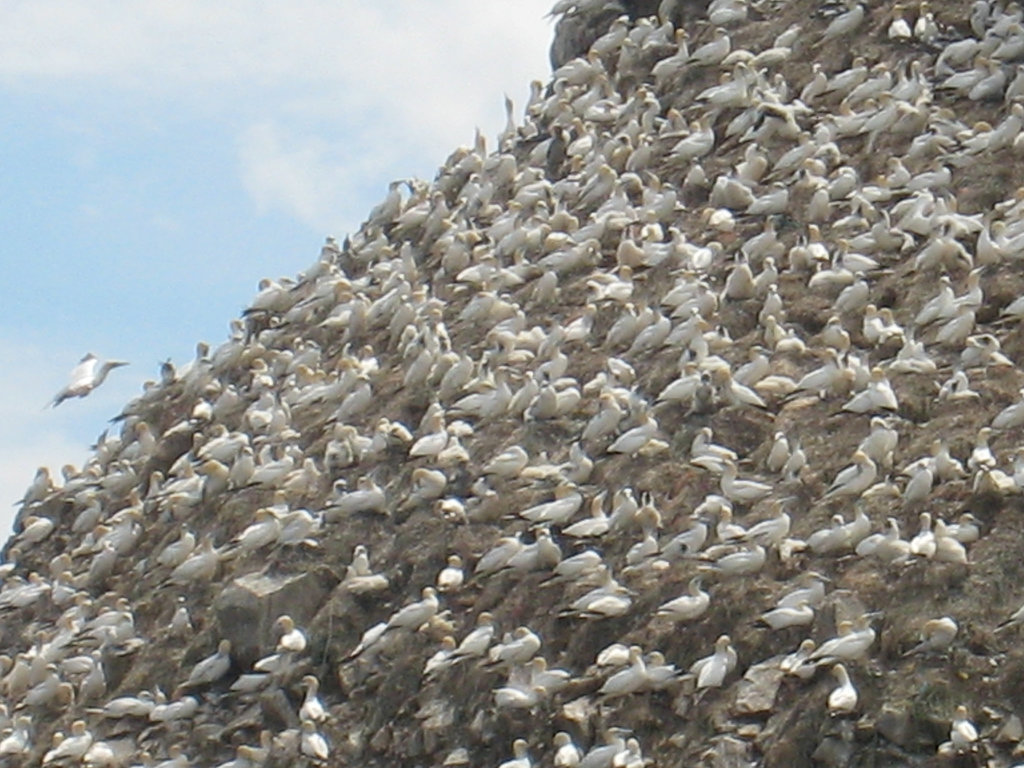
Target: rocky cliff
[683,427]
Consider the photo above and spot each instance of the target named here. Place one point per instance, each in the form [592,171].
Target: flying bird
[85,377]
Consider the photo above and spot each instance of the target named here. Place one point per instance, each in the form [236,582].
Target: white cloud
[322,95]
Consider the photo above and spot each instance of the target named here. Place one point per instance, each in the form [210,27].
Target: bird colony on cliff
[684,427]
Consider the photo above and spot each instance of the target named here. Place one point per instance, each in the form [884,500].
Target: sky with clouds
[157,159]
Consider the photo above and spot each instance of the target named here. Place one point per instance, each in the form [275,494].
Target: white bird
[72,748]
[517,648]
[567,754]
[846,22]
[962,732]
[711,671]
[936,635]
[740,563]
[771,532]
[842,700]
[521,753]
[559,510]
[475,644]
[359,576]
[688,607]
[628,680]
[796,615]
[741,491]
[415,615]
[878,395]
[1011,416]
[854,479]
[797,663]
[18,741]
[212,668]
[312,743]
[632,440]
[508,463]
[451,576]
[312,708]
[85,377]
[848,645]
[293,639]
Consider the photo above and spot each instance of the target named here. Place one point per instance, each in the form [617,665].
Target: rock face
[576,30]
[618,440]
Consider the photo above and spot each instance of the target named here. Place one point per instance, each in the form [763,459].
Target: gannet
[263,532]
[689,606]
[313,744]
[797,663]
[41,486]
[312,708]
[368,497]
[181,709]
[558,511]
[596,525]
[629,680]
[737,563]
[982,350]
[811,591]
[516,648]
[577,568]
[370,638]
[688,542]
[476,643]
[567,754]
[848,645]
[877,396]
[129,706]
[936,635]
[962,732]
[741,491]
[497,557]
[795,615]
[770,532]
[965,529]
[451,576]
[35,529]
[521,759]
[19,740]
[923,543]
[175,553]
[632,440]
[212,668]
[854,479]
[292,639]
[899,28]
[712,53]
[359,577]
[842,700]
[200,565]
[880,443]
[711,671]
[508,463]
[832,539]
[414,615]
[181,622]
[72,747]
[441,659]
[85,377]
[606,600]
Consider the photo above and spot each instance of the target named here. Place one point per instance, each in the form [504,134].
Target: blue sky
[157,159]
